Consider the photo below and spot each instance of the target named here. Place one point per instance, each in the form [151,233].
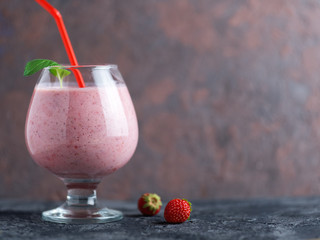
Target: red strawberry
[149,204]
[177,211]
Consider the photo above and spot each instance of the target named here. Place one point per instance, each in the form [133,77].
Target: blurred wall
[227,93]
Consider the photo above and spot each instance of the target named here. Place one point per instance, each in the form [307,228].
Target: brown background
[226,93]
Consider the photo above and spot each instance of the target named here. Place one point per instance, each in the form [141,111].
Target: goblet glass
[81,135]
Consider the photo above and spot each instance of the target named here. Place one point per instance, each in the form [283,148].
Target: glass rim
[97,66]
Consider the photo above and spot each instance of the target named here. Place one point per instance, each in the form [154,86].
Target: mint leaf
[36,65]
[59,73]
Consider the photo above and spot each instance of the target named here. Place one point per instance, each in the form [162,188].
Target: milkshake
[81,125]
[81,133]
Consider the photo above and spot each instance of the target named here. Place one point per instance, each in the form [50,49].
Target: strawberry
[149,204]
[177,211]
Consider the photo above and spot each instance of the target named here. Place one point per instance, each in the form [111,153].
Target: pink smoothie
[81,132]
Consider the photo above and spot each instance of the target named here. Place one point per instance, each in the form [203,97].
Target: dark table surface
[289,218]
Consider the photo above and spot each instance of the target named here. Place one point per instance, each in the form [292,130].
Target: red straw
[65,38]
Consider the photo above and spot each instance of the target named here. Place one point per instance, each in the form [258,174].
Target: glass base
[81,215]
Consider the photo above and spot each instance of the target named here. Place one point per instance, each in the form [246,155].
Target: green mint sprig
[36,65]
[60,73]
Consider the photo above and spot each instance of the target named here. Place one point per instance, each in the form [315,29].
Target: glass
[81,135]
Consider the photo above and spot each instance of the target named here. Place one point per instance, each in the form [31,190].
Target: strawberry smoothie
[81,133]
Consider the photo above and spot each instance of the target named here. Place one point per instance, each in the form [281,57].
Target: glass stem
[79,197]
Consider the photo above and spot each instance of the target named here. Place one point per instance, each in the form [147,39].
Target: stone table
[289,218]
